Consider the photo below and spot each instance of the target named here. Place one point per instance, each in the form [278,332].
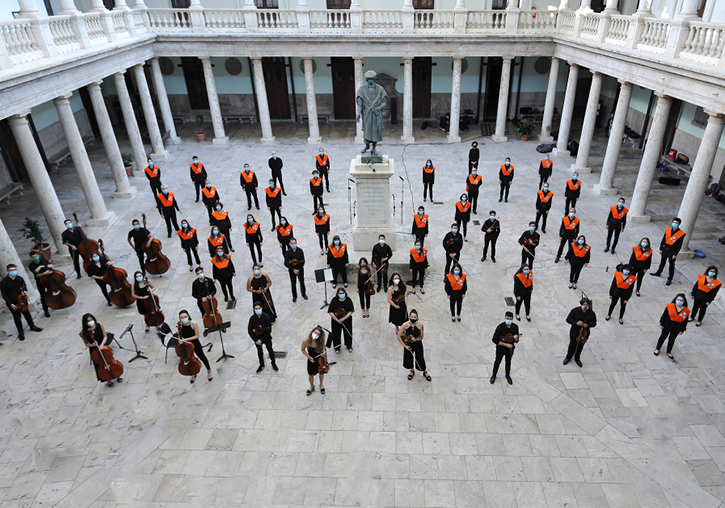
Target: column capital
[596,74]
[307,58]
[256,59]
[95,84]
[139,66]
[574,65]
[357,58]
[625,84]
[205,58]
[408,58]
[661,96]
[508,58]
[62,99]
[715,117]
[458,58]
[554,58]
[19,119]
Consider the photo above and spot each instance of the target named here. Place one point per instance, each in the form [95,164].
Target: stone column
[314,137]
[129,118]
[100,217]
[545,136]
[67,7]
[590,116]
[700,175]
[407,101]
[688,9]
[123,188]
[564,5]
[611,156]
[97,5]
[644,9]
[567,111]
[648,166]
[264,120]
[157,144]
[453,133]
[28,9]
[586,5]
[8,256]
[503,99]
[220,137]
[163,101]
[358,62]
[39,178]
[121,5]
[611,7]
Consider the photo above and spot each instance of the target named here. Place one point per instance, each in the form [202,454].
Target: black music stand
[139,354]
[324,275]
[219,328]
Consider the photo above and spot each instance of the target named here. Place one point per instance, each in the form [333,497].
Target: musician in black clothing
[473,186]
[545,170]
[543,205]
[473,155]
[380,258]
[669,248]
[294,260]
[259,329]
[452,243]
[316,190]
[142,239]
[340,311]
[202,288]
[248,181]
[568,231]
[505,336]
[11,287]
[410,336]
[97,268]
[41,268]
[167,205]
[275,164]
[621,289]
[572,191]
[528,241]
[220,220]
[198,175]
[582,319]
[616,221]
[491,229]
[72,237]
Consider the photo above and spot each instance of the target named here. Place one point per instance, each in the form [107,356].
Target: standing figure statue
[371,100]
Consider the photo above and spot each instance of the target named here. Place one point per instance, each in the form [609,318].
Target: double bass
[108,367]
[211,312]
[154,316]
[117,278]
[87,246]
[58,295]
[156,263]
[189,364]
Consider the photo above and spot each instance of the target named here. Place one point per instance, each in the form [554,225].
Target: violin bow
[375,272]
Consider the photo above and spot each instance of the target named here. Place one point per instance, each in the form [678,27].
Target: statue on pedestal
[371,99]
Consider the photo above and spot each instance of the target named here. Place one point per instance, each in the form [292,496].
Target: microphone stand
[402,192]
[349,196]
[219,328]
[139,354]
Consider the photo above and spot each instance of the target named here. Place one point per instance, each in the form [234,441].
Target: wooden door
[671,126]
[275,82]
[422,67]
[195,84]
[11,153]
[493,85]
[343,87]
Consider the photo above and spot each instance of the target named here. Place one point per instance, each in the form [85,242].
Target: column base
[220,141]
[61,259]
[267,141]
[126,195]
[453,139]
[312,140]
[175,140]
[685,254]
[102,222]
[407,141]
[604,192]
[499,139]
[546,139]
[581,171]
[161,156]
[560,153]
[640,219]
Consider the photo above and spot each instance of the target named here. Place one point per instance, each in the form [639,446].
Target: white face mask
[315,336]
[381,242]
[396,281]
[91,323]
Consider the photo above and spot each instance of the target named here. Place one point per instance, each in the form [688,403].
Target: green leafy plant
[525,127]
[32,231]
[200,121]
[127,159]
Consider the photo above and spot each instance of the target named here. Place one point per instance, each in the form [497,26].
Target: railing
[333,19]
[704,43]
[382,21]
[537,21]
[64,37]
[96,33]
[119,25]
[226,20]
[618,30]
[654,35]
[169,20]
[589,25]
[485,21]
[138,23]
[566,22]
[20,41]
[276,20]
[427,20]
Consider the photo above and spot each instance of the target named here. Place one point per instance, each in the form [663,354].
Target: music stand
[324,275]
[218,328]
[139,354]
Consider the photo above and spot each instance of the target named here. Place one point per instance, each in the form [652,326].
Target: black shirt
[11,288]
[453,242]
[275,203]
[380,252]
[569,233]
[140,236]
[98,271]
[336,304]
[494,225]
[34,266]
[275,165]
[502,330]
[200,289]
[72,236]
[255,322]
[294,259]
[576,315]
[473,155]
[530,239]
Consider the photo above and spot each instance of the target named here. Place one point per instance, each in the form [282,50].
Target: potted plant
[127,160]
[525,128]
[200,135]
[31,230]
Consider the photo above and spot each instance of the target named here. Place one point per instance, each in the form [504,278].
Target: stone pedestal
[373,217]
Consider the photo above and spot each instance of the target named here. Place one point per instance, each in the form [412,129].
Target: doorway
[422,68]
[195,84]
[275,82]
[671,126]
[343,87]
[494,64]
[11,153]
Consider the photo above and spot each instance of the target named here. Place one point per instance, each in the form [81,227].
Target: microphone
[401,178]
[351,180]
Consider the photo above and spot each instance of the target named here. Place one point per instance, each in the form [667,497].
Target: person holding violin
[97,269]
[259,329]
[380,257]
[364,285]
[189,243]
[153,173]
[189,332]
[463,214]
[429,178]
[491,230]
[167,206]
[410,336]
[41,268]
[253,237]
[313,347]
[582,319]
[452,244]
[142,239]
[577,258]
[641,260]
[322,228]
[223,271]
[456,287]
[294,260]
[95,337]
[72,237]
[704,292]
[338,260]
[529,240]
[217,239]
[523,287]
[248,181]
[621,289]
[198,175]
[202,288]
[418,265]
[14,292]
[274,202]
[210,197]
[505,336]
[340,311]
[141,291]
[673,322]
[397,292]
[258,284]
[285,233]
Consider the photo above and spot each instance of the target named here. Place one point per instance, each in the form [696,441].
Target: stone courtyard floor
[628,429]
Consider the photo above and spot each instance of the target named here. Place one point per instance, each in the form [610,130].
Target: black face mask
[413,320]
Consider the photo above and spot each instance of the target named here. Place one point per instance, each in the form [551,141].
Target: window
[338,4]
[180,4]
[498,4]
[422,4]
[267,4]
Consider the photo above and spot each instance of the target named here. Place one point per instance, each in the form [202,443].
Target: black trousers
[227,240]
[417,352]
[337,331]
[272,212]
[615,230]
[543,179]
[449,260]
[277,175]
[18,322]
[665,258]
[196,256]
[570,203]
[252,245]
[465,226]
[76,259]
[428,189]
[209,210]
[155,187]
[575,348]
[293,281]
[670,335]
[252,194]
[505,187]
[197,187]
[563,243]
[699,304]
[364,299]
[383,278]
[501,353]
[142,260]
[322,237]
[526,300]
[490,239]
[574,270]
[526,258]
[473,199]
[471,165]
[622,306]
[170,218]
[285,248]
[316,202]
[42,291]
[226,284]
[339,268]
[324,173]
[418,273]
[543,216]
[456,302]
[102,285]
[266,342]
[199,351]
[639,273]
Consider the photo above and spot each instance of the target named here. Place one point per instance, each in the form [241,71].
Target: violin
[508,338]
[157,263]
[258,330]
[583,336]
[339,313]
[397,300]
[86,246]
[108,367]
[58,295]
[323,366]
[153,316]
[407,339]
[370,287]
[117,278]
[189,364]
[22,302]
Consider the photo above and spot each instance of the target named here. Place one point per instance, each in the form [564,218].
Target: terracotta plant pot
[129,170]
[200,137]
[525,137]
[45,254]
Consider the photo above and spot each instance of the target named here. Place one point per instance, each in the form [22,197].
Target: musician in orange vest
[673,323]
[505,177]
[253,237]
[337,259]
[274,202]
[577,257]
[669,248]
[223,271]
[284,234]
[568,231]
[322,228]
[572,191]
[473,156]
[418,265]
[167,206]
[582,319]
[546,167]
[543,205]
[198,175]
[452,244]
[456,287]
[616,221]
[316,191]
[217,239]
[641,260]
[523,287]
[189,243]
[210,197]
[248,181]
[220,219]
[463,214]
[529,240]
[322,162]
[473,185]
[340,311]
[153,173]
[704,292]
[429,178]
[621,290]
[420,225]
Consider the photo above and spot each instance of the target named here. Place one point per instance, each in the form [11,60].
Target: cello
[189,364]
[87,246]
[153,316]
[58,294]
[156,263]
[120,294]
[211,312]
[108,367]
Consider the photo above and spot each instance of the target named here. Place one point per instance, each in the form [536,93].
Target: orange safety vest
[272,193]
[216,241]
[526,280]
[616,214]
[285,231]
[671,238]
[166,201]
[457,285]
[220,263]
[545,198]
[429,170]
[337,252]
[639,254]
[209,193]
[251,230]
[153,173]
[674,315]
[219,215]
[421,223]
[316,181]
[705,286]
[248,176]
[187,236]
[418,257]
[573,185]
[322,160]
[580,252]
[319,221]
[473,181]
[197,169]
[463,208]
[506,172]
[570,224]
[546,164]
[623,283]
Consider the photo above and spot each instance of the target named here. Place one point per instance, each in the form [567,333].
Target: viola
[108,367]
[87,246]
[189,364]
[323,366]
[153,316]
[339,313]
[211,312]
[157,263]
[58,295]
[22,302]
[120,294]
[369,286]
[397,300]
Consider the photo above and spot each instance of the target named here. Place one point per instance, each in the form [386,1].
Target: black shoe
[612,251]
[566,360]
[226,298]
[47,314]
[483,259]
[493,379]
[557,259]
[284,193]
[506,200]
[294,299]
[197,200]
[378,290]
[109,303]
[656,274]
[508,378]
[543,231]
[475,212]
[493,259]
[606,249]
[79,276]
[500,200]
[274,367]
[21,337]
[260,369]
[578,362]
[669,281]
[257,208]
[305,297]
[169,236]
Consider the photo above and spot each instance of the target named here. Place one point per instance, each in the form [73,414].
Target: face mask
[679,303]
[507,163]
[532,228]
[251,221]
[584,308]
[320,212]
[546,158]
[546,189]
[427,164]
[644,244]
[474,173]
[572,215]
[322,153]
[337,242]
[363,264]
[525,271]
[185,226]
[420,213]
[463,199]
[220,254]
[35,258]
[91,323]
[208,186]
[195,161]
[151,163]
[315,176]
[185,320]
[293,246]
[257,272]
[271,186]
[417,247]
[492,217]
[69,226]
[712,274]
[625,272]
[246,169]
[395,281]
[675,225]
[165,191]
[620,205]
[413,320]
[96,258]
[574,178]
[381,242]
[341,297]
[315,336]
[200,275]
[509,321]
[136,226]
[139,279]
[580,241]
[454,231]
[258,312]
[274,156]
[216,232]
[13,273]
[457,272]
[283,222]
